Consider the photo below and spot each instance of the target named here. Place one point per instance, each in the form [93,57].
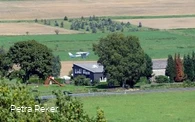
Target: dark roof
[93,67]
[159,63]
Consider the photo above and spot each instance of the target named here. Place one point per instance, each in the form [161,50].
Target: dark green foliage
[188,67]
[162,79]
[56,66]
[148,71]
[170,68]
[33,58]
[62,24]
[122,57]
[65,18]
[36,20]
[142,81]
[140,24]
[56,23]
[81,80]
[193,61]
[5,63]
[97,24]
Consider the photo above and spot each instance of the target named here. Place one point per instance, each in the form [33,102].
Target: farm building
[94,71]
[159,67]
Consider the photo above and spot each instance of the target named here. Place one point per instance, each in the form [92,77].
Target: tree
[65,18]
[32,58]
[69,109]
[56,66]
[170,68]
[62,24]
[193,61]
[179,69]
[5,63]
[188,67]
[148,71]
[122,57]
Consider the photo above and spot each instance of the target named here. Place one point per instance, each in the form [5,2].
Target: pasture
[41,9]
[144,107]
[156,43]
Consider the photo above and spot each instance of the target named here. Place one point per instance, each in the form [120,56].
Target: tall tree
[170,68]
[179,69]
[148,71]
[122,57]
[188,67]
[193,61]
[56,66]
[32,58]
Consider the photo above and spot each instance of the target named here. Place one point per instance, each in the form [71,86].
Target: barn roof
[93,67]
[159,63]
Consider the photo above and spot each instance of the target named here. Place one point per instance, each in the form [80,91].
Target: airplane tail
[87,54]
[71,55]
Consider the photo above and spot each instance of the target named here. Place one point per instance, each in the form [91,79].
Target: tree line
[179,69]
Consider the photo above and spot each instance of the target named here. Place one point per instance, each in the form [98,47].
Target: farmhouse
[94,71]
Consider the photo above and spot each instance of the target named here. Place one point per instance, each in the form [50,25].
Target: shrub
[81,80]
[62,24]
[188,83]
[56,23]
[162,79]
[65,18]
[140,24]
[142,81]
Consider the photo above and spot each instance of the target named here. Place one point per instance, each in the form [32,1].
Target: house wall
[97,76]
[80,71]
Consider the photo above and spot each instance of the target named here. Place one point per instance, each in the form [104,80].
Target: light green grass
[158,44]
[47,90]
[148,107]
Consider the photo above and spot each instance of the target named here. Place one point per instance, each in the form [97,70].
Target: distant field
[153,107]
[31,28]
[164,23]
[158,44]
[31,9]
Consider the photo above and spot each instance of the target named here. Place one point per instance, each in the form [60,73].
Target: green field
[156,43]
[146,107]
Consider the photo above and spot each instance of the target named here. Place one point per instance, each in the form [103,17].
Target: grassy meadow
[146,107]
[156,43]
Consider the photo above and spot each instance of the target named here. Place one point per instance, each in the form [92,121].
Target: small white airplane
[79,54]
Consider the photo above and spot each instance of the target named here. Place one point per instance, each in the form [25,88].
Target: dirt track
[77,8]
